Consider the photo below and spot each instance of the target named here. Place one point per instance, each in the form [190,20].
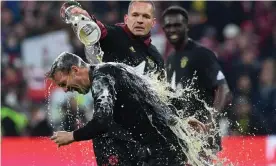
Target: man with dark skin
[191,59]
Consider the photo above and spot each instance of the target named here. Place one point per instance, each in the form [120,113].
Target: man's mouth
[139,28]
[173,37]
[72,89]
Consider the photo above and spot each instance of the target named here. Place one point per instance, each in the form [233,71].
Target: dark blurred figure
[243,86]
[264,18]
[13,123]
[13,86]
[39,125]
[226,12]
[245,119]
[107,11]
[228,50]
[246,63]
[269,49]
[265,96]
[197,25]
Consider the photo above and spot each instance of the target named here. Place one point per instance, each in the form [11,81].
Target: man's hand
[62,138]
[77,10]
[197,125]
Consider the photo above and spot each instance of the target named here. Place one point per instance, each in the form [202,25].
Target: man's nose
[171,29]
[140,20]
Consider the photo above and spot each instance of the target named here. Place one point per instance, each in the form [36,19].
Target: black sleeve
[210,67]
[168,66]
[168,62]
[159,61]
[104,95]
[158,58]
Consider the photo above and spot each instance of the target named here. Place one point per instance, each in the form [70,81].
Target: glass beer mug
[87,31]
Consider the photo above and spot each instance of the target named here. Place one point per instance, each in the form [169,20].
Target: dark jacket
[123,99]
[196,67]
[120,45]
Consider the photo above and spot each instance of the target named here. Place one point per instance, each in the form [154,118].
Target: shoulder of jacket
[204,50]
[153,48]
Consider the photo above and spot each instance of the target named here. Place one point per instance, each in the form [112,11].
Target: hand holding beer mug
[87,31]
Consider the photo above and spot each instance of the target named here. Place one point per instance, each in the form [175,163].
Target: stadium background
[243,34]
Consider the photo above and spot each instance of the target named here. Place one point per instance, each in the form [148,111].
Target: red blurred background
[240,151]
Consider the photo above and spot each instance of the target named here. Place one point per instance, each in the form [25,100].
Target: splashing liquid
[48,94]
[193,143]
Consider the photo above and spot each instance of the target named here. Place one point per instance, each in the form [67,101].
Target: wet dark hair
[150,2]
[64,62]
[176,10]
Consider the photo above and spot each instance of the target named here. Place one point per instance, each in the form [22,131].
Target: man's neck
[181,45]
[86,74]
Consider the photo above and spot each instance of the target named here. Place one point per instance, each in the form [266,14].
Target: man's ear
[125,18]
[187,28]
[74,69]
[154,22]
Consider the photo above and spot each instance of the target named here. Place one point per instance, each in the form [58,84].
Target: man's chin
[174,41]
[139,33]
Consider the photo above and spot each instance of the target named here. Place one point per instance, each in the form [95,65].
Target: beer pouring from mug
[85,28]
[87,31]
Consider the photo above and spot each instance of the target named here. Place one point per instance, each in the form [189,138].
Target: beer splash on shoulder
[192,142]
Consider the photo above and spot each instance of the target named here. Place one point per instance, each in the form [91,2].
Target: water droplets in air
[62,117]
[194,144]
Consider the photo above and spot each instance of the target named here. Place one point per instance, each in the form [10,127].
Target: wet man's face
[175,28]
[70,82]
[140,18]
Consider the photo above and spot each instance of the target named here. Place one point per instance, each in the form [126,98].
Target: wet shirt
[123,100]
[195,61]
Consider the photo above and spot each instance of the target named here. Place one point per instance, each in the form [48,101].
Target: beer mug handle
[65,10]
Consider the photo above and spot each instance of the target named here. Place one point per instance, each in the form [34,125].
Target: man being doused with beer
[123,100]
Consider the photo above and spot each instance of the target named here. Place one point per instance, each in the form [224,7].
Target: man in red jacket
[130,42]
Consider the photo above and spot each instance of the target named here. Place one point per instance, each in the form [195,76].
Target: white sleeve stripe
[220,76]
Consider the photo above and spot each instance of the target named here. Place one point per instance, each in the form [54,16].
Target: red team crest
[113,160]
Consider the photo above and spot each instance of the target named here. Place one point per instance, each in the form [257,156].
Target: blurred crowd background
[243,35]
